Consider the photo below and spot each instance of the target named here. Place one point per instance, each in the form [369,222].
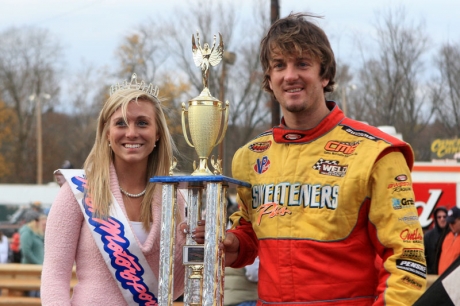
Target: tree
[29,65]
[446,91]
[239,83]
[8,121]
[391,87]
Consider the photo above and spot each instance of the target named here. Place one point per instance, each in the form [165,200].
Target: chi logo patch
[262,165]
[260,147]
[340,147]
[330,167]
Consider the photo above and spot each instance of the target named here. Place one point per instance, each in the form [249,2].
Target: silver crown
[148,89]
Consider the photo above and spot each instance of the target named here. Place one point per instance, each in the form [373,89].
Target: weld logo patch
[262,165]
[330,167]
[260,147]
[411,267]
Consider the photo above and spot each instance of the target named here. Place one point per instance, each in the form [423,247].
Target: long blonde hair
[97,164]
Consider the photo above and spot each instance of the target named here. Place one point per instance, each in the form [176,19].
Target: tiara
[148,89]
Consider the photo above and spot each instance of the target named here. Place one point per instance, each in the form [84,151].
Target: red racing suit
[331,215]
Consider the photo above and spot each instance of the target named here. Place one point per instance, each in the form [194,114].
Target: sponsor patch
[411,282]
[272,210]
[260,147]
[330,167]
[400,186]
[402,203]
[357,133]
[262,165]
[292,136]
[415,253]
[401,178]
[411,267]
[410,218]
[411,236]
[340,147]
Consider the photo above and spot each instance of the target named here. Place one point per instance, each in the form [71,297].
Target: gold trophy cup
[205,111]
[205,115]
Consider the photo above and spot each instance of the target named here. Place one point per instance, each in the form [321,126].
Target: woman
[112,230]
[31,238]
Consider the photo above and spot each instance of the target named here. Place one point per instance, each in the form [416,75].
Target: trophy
[205,264]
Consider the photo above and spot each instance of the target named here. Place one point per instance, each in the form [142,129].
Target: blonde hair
[97,164]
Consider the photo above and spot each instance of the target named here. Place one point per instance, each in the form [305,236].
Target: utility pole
[274,16]
[38,107]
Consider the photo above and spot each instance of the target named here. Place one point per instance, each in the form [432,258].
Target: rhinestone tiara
[148,89]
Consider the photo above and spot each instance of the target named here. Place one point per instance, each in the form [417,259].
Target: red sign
[428,196]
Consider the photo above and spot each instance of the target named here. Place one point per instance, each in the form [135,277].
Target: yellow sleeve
[396,232]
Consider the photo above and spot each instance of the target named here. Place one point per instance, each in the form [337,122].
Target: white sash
[113,237]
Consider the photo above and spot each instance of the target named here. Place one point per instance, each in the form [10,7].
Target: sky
[90,30]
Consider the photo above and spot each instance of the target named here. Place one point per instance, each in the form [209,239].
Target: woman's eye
[120,123]
[142,123]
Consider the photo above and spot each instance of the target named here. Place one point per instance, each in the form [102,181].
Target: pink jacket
[68,240]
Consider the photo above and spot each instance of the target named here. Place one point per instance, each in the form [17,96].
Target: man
[331,211]
[451,243]
[431,238]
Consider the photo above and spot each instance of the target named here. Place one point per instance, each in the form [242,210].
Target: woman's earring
[110,144]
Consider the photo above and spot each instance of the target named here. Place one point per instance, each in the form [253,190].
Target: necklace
[140,194]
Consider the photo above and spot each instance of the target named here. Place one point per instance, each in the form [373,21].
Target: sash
[125,260]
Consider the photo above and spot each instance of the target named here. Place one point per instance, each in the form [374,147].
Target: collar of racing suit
[282,134]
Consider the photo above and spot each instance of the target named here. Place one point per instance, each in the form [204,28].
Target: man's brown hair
[295,35]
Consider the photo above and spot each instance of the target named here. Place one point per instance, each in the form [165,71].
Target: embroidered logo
[411,236]
[401,178]
[339,147]
[260,147]
[411,282]
[411,267]
[357,133]
[330,167]
[402,203]
[262,165]
[416,254]
[271,209]
[292,136]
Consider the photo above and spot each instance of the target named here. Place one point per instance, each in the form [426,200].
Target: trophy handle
[184,131]
[224,128]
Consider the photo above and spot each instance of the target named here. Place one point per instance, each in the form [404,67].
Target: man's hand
[230,245]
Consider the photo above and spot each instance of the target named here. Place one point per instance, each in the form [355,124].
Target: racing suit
[331,215]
